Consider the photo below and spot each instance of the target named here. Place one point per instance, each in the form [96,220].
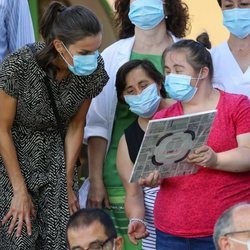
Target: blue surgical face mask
[146,14]
[179,87]
[83,65]
[237,21]
[146,103]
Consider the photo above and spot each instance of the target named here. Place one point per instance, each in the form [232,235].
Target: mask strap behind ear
[198,78]
[67,50]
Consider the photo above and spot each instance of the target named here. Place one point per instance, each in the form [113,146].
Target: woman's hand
[73,201]
[153,180]
[203,156]
[137,231]
[21,211]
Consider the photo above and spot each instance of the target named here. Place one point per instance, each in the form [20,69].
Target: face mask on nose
[237,21]
[179,87]
[241,242]
[83,65]
[146,14]
[146,103]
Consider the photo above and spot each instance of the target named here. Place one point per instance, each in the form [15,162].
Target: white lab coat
[100,117]
[228,75]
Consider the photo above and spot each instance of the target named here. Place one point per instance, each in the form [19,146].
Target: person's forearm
[134,205]
[235,160]
[73,141]
[97,147]
[9,156]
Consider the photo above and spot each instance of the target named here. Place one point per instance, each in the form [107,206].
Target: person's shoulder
[168,112]
[118,45]
[232,96]
[132,126]
[219,49]
[174,38]
[25,53]
[16,60]
[234,101]
[20,60]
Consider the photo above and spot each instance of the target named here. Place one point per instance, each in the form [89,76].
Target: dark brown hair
[219,2]
[68,24]
[197,56]
[86,217]
[149,69]
[177,22]
[203,38]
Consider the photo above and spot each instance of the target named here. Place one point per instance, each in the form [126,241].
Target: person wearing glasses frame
[92,229]
[232,230]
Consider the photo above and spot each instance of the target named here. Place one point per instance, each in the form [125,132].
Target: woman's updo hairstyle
[198,54]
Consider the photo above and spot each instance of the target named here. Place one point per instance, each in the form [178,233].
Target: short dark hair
[68,24]
[219,2]
[85,217]
[177,22]
[149,69]
[225,223]
[198,55]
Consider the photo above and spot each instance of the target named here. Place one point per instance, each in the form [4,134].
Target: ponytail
[48,54]
[48,19]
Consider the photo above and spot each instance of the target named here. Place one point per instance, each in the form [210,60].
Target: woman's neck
[237,45]
[240,49]
[62,69]
[143,123]
[152,41]
[165,103]
[206,98]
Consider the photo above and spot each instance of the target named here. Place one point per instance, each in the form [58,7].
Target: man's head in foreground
[232,230]
[92,229]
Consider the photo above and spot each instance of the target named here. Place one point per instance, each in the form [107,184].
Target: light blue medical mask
[179,87]
[83,65]
[146,14]
[237,21]
[146,103]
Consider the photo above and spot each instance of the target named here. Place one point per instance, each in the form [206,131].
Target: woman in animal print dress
[40,138]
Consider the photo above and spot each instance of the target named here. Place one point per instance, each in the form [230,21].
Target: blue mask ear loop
[69,54]
[241,242]
[248,244]
[198,79]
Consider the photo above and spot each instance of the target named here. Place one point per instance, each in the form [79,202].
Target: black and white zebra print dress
[39,145]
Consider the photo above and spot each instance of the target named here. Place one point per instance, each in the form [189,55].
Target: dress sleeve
[98,79]
[10,72]
[241,115]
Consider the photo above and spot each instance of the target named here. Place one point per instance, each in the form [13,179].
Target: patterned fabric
[16,27]
[39,145]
